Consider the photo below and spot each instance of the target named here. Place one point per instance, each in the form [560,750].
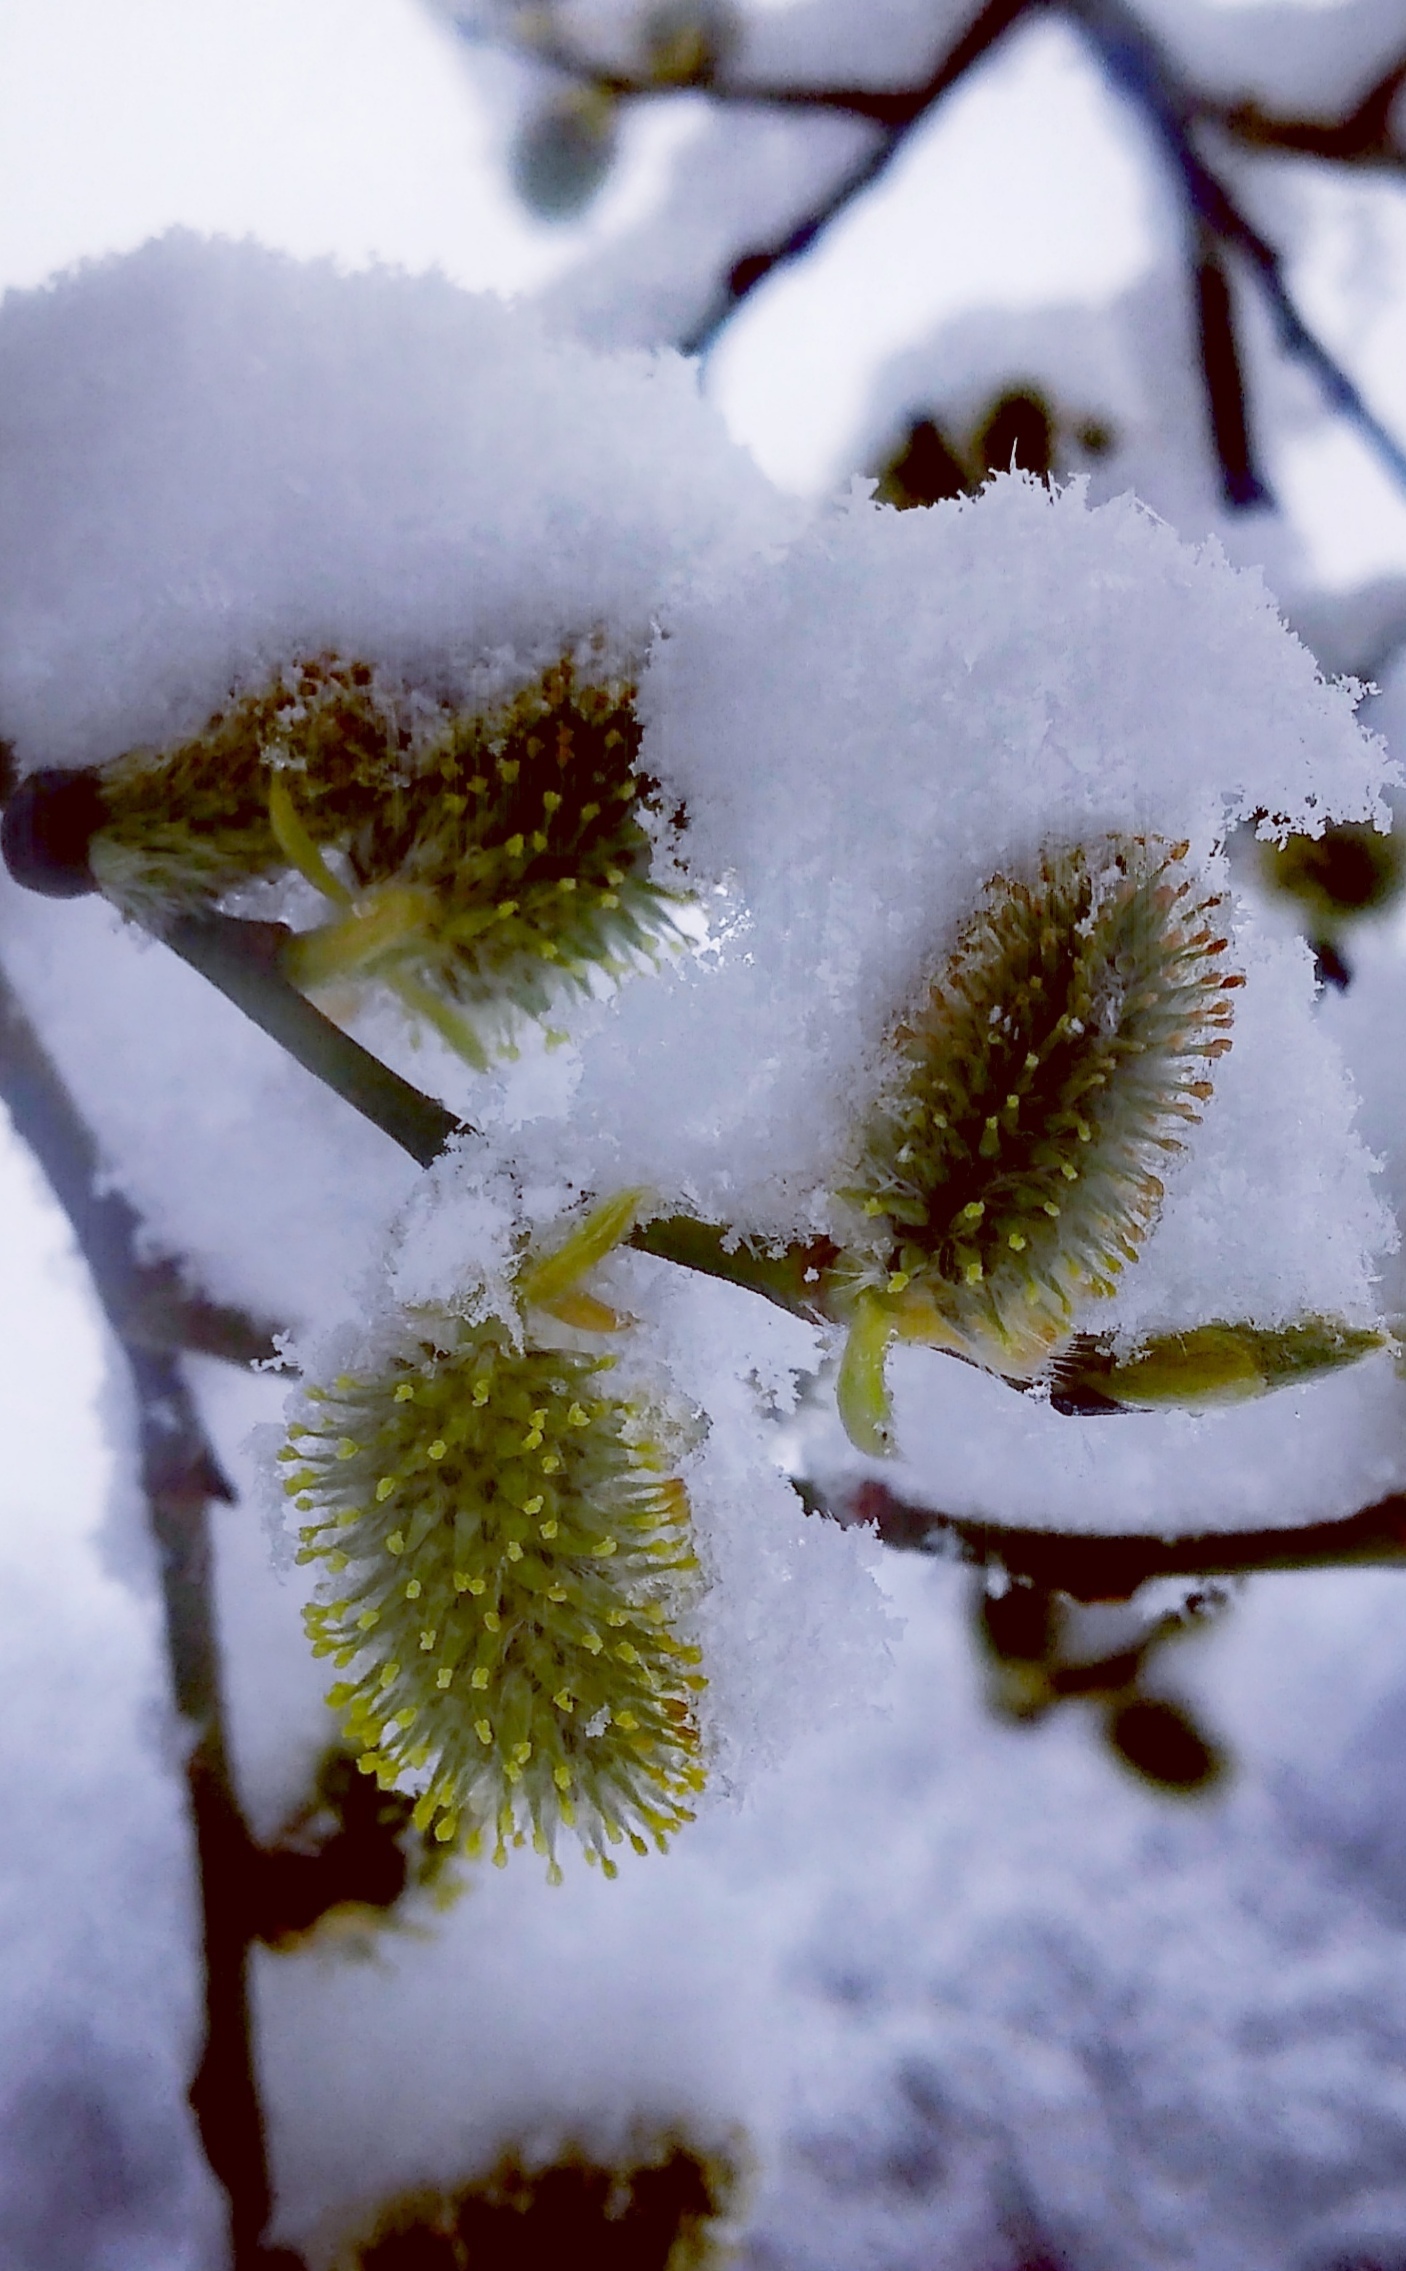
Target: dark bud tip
[48,826]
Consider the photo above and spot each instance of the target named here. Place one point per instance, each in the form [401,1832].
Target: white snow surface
[212,459]
[214,456]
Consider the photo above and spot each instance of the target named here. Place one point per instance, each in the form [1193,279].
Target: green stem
[243,960]
[795,1279]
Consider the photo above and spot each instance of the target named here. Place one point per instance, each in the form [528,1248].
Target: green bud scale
[486,859]
[507,1560]
[1009,1171]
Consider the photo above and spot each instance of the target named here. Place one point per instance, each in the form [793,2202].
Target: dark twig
[896,115]
[1111,1568]
[1363,138]
[1136,64]
[181,1478]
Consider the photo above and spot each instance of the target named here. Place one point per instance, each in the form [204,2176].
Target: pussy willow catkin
[508,1561]
[1010,1169]
[479,861]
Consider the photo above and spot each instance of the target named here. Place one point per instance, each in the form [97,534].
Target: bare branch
[1363,138]
[1112,1567]
[181,1479]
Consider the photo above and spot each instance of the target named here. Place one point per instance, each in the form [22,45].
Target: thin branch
[1135,62]
[896,115]
[1111,1568]
[243,960]
[1363,138]
[182,1479]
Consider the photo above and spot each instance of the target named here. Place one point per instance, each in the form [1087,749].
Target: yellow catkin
[1010,1170]
[494,1669]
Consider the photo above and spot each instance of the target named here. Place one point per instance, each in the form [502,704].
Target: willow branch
[181,1479]
[1111,1568]
[1139,67]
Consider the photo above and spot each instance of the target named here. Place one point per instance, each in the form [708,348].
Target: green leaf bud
[1220,1363]
[1350,870]
[564,152]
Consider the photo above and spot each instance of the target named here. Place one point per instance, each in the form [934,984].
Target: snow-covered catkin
[1009,1172]
[508,1560]
[486,859]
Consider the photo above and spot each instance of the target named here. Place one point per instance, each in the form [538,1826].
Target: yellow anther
[405,1393]
[974,1208]
[577,1417]
[413,1589]
[479,1677]
[549,1529]
[1016,1242]
[437,1449]
[346,1449]
[514,847]
[492,1622]
[483,1730]
[368,1619]
[551,1462]
[395,1543]
[514,1550]
[390,1673]
[898,1279]
[384,1488]
[442,1679]
[533,1505]
[563,1700]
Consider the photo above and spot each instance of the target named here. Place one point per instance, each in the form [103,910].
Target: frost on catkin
[1011,1170]
[483,861]
[507,1560]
